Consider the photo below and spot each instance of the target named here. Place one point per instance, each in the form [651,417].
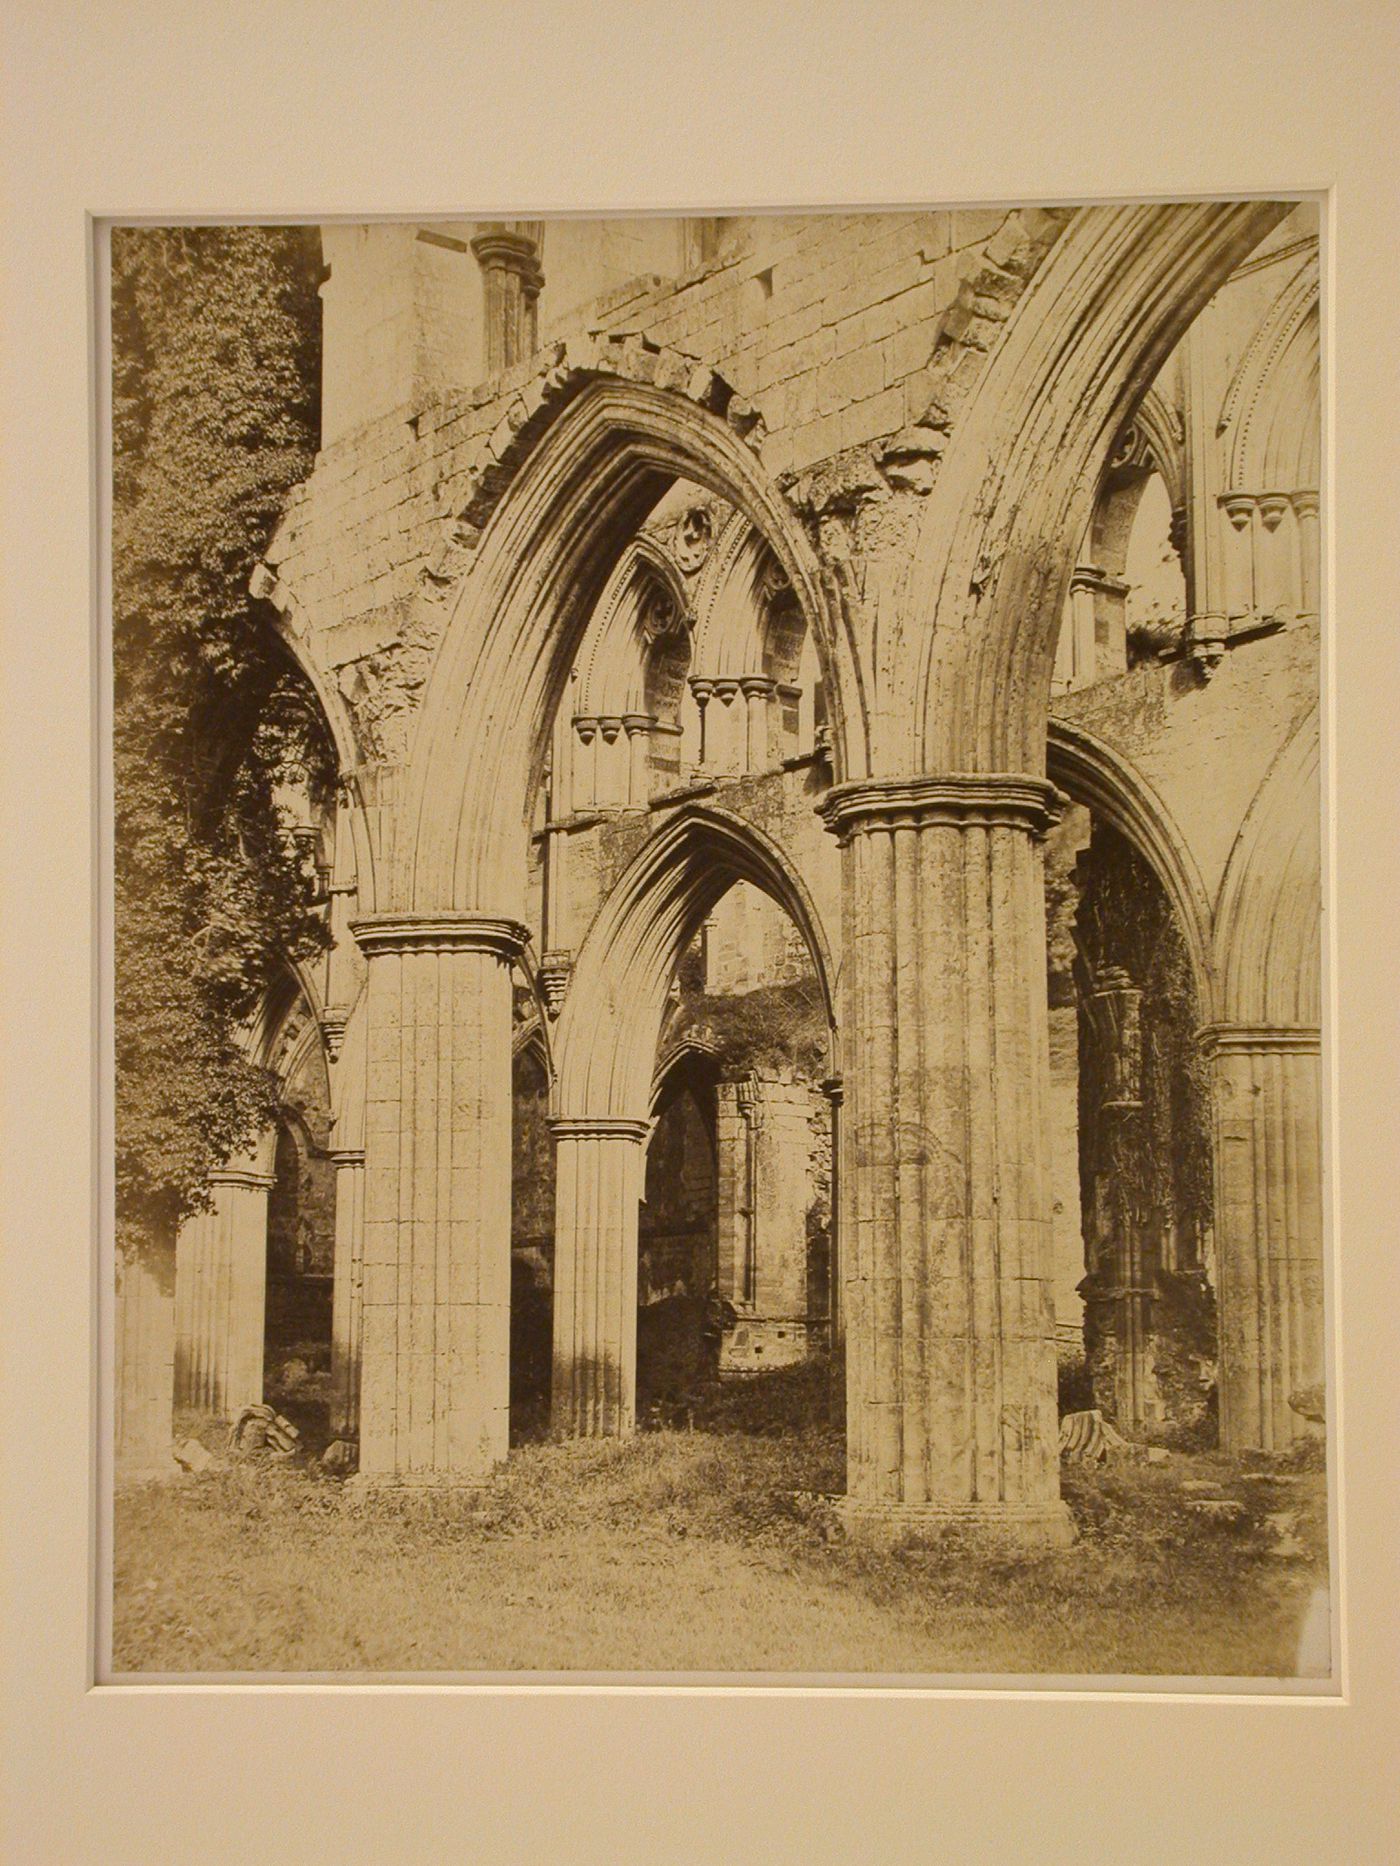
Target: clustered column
[435,1365]
[221,1296]
[947,1253]
[509,257]
[599,1164]
[1268,1231]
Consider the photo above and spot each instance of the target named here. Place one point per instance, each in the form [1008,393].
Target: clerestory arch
[1268,938]
[538,570]
[992,562]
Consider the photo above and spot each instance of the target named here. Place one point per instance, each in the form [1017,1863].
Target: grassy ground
[706,1551]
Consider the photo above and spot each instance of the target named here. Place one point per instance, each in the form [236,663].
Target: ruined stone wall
[840,332]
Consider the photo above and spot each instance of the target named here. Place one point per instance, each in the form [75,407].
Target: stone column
[598,1189]
[511,281]
[1082,632]
[1268,1229]
[613,767]
[144,1370]
[1275,582]
[1239,554]
[221,1296]
[435,1360]
[638,729]
[585,791]
[1117,1292]
[726,731]
[1305,510]
[348,1291]
[703,691]
[758,691]
[946,1238]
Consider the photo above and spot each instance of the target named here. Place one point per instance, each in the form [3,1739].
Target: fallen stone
[1217,1509]
[339,1455]
[190,1455]
[1157,1454]
[1088,1438]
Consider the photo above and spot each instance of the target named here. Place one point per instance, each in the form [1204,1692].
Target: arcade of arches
[826,858]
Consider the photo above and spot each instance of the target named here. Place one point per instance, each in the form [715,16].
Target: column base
[457,1483]
[999,1525]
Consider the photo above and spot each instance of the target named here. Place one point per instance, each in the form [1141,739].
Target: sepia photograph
[717,867]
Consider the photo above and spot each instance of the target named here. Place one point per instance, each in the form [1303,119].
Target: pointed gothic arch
[607,1035]
[992,563]
[542,561]
[1268,941]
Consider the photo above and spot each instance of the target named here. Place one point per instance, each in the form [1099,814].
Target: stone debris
[1282,1525]
[339,1456]
[260,1428]
[1218,1509]
[1309,1403]
[190,1455]
[1088,1438]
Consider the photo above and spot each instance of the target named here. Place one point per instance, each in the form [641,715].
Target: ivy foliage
[215,346]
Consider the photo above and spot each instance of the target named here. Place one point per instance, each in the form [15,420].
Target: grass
[707,1551]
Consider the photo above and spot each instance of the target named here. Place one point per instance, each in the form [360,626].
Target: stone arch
[1272,409]
[730,601]
[612,666]
[691,1047]
[992,562]
[531,1038]
[288,621]
[519,613]
[1093,774]
[1268,947]
[612,1017]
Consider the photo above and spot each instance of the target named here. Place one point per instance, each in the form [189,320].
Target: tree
[215,340]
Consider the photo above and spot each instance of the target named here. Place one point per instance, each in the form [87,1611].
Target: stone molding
[241,1176]
[960,800]
[347,1156]
[1261,1039]
[451,932]
[598,1127]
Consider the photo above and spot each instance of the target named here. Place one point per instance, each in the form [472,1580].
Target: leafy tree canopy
[215,340]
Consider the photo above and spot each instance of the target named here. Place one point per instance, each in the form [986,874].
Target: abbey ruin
[825,857]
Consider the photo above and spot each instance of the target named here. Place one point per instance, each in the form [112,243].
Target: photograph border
[841,1769]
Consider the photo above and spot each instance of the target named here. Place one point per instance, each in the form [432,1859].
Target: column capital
[347,1156]
[958,800]
[598,1127]
[1098,582]
[633,723]
[752,686]
[1305,504]
[1237,507]
[1260,1039]
[510,252]
[446,932]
